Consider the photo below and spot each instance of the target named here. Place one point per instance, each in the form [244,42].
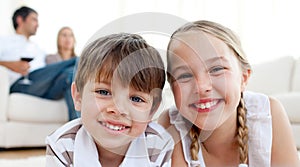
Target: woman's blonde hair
[233,42]
[57,41]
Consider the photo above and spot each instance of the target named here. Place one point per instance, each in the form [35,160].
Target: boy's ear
[155,107]
[154,110]
[245,78]
[76,97]
[156,104]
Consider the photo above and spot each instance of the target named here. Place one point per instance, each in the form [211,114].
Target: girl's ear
[245,77]
[76,97]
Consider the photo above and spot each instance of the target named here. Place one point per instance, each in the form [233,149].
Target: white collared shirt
[13,47]
[71,145]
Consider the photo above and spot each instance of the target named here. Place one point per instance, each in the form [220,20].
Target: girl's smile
[205,105]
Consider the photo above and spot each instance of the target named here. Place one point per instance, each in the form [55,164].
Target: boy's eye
[136,99]
[103,92]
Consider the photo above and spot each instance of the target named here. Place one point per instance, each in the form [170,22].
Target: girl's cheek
[178,93]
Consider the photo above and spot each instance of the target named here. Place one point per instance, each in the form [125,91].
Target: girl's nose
[203,84]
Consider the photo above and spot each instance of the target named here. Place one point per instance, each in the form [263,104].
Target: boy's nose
[117,107]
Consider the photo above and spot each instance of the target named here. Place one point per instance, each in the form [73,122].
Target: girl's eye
[136,99]
[103,92]
[216,69]
[184,77]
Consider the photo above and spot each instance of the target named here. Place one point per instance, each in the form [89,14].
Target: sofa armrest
[4,93]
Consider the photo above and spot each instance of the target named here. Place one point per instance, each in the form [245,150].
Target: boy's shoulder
[158,143]
[156,129]
[157,136]
[67,131]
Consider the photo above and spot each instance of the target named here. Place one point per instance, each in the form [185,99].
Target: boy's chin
[117,149]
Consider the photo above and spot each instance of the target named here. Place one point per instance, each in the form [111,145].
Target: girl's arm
[284,151]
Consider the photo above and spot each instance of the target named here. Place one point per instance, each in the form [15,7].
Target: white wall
[6,11]
[268,28]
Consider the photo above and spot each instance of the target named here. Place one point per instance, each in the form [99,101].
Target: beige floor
[17,153]
[29,152]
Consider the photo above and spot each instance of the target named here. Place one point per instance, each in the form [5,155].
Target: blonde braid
[242,131]
[194,148]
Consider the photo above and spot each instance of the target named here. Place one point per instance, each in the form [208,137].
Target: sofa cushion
[290,102]
[23,107]
[296,133]
[4,89]
[273,77]
[296,77]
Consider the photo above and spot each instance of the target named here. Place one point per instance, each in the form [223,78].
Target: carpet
[38,161]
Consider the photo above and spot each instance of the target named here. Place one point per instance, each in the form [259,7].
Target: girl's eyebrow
[217,58]
[181,67]
[209,61]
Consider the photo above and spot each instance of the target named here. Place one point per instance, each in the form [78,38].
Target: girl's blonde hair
[233,42]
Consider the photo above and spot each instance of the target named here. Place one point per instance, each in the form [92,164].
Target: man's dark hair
[23,12]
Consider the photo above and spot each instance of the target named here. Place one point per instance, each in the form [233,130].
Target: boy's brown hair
[126,56]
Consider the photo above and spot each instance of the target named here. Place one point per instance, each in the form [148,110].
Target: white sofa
[280,78]
[26,120]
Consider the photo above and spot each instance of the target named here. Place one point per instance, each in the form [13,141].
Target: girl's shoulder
[257,104]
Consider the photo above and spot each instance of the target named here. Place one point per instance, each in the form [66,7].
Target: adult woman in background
[65,46]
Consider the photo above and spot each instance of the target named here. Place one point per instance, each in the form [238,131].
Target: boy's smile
[119,127]
[113,114]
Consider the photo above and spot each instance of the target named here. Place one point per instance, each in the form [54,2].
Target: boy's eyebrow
[103,82]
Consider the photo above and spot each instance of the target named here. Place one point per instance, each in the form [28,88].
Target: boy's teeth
[113,127]
[206,105]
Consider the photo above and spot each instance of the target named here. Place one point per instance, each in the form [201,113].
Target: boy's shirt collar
[85,148]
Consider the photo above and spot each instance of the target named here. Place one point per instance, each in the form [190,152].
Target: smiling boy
[118,89]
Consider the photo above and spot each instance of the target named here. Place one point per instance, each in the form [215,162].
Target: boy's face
[113,114]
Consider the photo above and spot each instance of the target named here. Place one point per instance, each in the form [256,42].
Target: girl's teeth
[113,127]
[206,105]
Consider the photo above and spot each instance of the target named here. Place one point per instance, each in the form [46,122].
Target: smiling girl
[215,121]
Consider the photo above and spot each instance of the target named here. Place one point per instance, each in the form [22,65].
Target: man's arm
[21,67]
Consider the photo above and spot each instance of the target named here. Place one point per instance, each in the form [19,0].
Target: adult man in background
[50,82]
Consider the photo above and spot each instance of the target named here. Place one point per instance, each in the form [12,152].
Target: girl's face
[208,79]
[66,39]
[112,114]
